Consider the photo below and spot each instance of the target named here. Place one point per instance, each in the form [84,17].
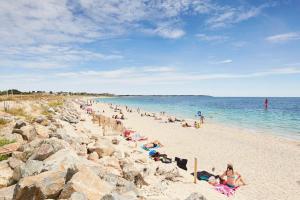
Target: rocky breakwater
[66,156]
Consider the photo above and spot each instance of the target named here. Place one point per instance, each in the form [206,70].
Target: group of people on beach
[231,178]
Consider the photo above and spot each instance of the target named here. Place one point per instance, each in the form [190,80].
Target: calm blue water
[282,117]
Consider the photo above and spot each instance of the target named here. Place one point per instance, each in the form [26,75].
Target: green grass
[4,141]
[20,112]
[4,157]
[55,103]
[17,112]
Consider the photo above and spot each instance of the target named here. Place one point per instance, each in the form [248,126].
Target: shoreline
[258,157]
[254,130]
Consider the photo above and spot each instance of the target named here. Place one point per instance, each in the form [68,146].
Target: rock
[196,196]
[43,152]
[88,183]
[120,184]
[18,131]
[56,144]
[29,133]
[51,110]
[110,162]
[80,149]
[39,119]
[41,131]
[132,174]
[13,137]
[93,156]
[78,196]
[70,115]
[46,123]
[19,124]
[42,186]
[170,172]
[6,174]
[7,193]
[14,162]
[64,159]
[103,148]
[116,196]
[19,155]
[30,168]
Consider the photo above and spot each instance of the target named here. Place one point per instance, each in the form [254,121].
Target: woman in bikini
[234,179]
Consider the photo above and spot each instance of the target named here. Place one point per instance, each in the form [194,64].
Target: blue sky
[220,48]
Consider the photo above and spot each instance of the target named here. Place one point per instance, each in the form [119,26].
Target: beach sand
[270,165]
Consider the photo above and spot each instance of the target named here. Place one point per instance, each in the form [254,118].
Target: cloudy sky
[220,48]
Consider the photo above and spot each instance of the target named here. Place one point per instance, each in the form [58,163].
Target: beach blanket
[149,149]
[224,189]
[137,137]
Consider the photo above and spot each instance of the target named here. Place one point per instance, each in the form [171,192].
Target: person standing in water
[266,103]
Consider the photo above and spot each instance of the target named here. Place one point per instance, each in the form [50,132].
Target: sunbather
[234,179]
[185,124]
[153,144]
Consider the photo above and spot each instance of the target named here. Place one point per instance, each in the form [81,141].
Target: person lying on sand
[157,118]
[171,120]
[234,179]
[185,124]
[153,144]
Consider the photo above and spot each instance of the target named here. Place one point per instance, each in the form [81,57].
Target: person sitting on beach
[197,124]
[153,144]
[234,179]
[122,117]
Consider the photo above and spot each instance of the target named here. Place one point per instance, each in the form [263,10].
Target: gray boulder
[46,185]
[88,183]
[7,193]
[40,119]
[6,174]
[43,152]
[19,124]
[169,172]
[64,159]
[28,133]
[14,162]
[30,168]
[196,196]
[102,148]
[78,196]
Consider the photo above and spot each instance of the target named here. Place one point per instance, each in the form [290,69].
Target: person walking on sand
[266,103]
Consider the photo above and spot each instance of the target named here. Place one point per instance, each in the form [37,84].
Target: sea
[282,117]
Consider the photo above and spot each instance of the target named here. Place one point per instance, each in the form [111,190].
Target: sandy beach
[269,164]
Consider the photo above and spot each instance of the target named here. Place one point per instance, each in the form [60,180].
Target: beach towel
[137,137]
[224,189]
[149,149]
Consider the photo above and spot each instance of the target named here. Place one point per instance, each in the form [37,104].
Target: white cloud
[283,37]
[142,76]
[50,34]
[222,62]
[213,38]
[226,16]
[49,56]
[158,69]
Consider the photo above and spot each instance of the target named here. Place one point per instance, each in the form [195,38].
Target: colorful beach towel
[149,149]
[137,137]
[224,189]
